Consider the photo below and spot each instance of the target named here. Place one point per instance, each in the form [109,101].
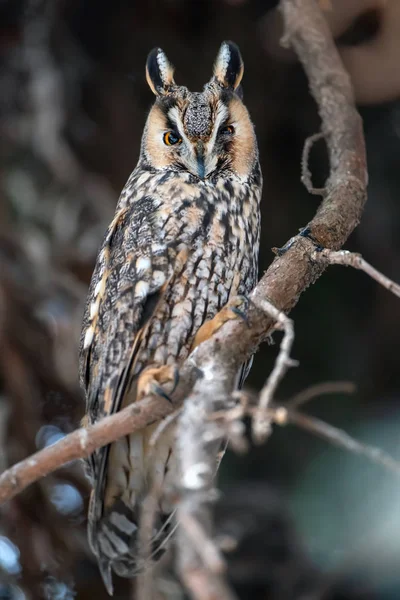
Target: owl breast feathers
[183,242]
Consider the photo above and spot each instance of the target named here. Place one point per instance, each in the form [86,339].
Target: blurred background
[311,521]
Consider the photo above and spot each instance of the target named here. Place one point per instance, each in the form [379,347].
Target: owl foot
[235,309]
[154,379]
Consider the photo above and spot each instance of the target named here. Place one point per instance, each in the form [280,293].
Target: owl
[182,244]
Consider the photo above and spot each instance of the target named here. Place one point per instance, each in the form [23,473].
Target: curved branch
[293,270]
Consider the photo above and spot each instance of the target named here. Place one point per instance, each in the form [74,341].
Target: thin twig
[81,443]
[261,421]
[305,171]
[355,260]
[320,389]
[208,551]
[337,437]
[203,585]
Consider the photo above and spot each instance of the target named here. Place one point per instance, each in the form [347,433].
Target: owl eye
[227,130]
[170,138]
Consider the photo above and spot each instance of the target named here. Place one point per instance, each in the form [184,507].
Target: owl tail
[116,505]
[116,545]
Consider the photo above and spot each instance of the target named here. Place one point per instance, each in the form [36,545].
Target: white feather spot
[142,179]
[94,307]
[224,57]
[141,289]
[158,278]
[143,264]
[158,248]
[163,65]
[88,338]
[100,286]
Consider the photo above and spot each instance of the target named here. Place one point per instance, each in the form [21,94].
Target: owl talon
[236,308]
[175,380]
[157,390]
[241,314]
[154,379]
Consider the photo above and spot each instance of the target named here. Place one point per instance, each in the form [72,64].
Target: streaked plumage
[184,240]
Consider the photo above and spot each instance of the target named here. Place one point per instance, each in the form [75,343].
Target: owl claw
[175,380]
[242,315]
[236,308]
[153,380]
[239,306]
[157,390]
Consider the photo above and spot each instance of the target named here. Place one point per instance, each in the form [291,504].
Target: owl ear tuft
[228,67]
[159,72]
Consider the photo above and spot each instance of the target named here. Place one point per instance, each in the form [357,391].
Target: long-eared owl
[184,241]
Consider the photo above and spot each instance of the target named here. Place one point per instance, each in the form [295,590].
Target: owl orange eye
[228,130]
[171,138]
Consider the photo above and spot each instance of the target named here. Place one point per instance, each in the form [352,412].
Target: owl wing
[130,278]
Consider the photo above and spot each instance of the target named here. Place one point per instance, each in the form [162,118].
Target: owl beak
[201,169]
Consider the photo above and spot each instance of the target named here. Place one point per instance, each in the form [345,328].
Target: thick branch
[199,438]
[293,271]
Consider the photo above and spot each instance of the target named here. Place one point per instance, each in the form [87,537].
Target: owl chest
[204,286]
[223,214]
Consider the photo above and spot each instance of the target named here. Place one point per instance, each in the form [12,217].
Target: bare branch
[338,437]
[203,585]
[319,389]
[208,551]
[261,420]
[355,260]
[81,443]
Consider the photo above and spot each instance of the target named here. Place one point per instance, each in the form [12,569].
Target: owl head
[206,133]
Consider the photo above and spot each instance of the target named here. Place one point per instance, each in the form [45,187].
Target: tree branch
[81,443]
[337,437]
[261,420]
[352,259]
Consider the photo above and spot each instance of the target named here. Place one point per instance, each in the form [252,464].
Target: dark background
[311,521]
